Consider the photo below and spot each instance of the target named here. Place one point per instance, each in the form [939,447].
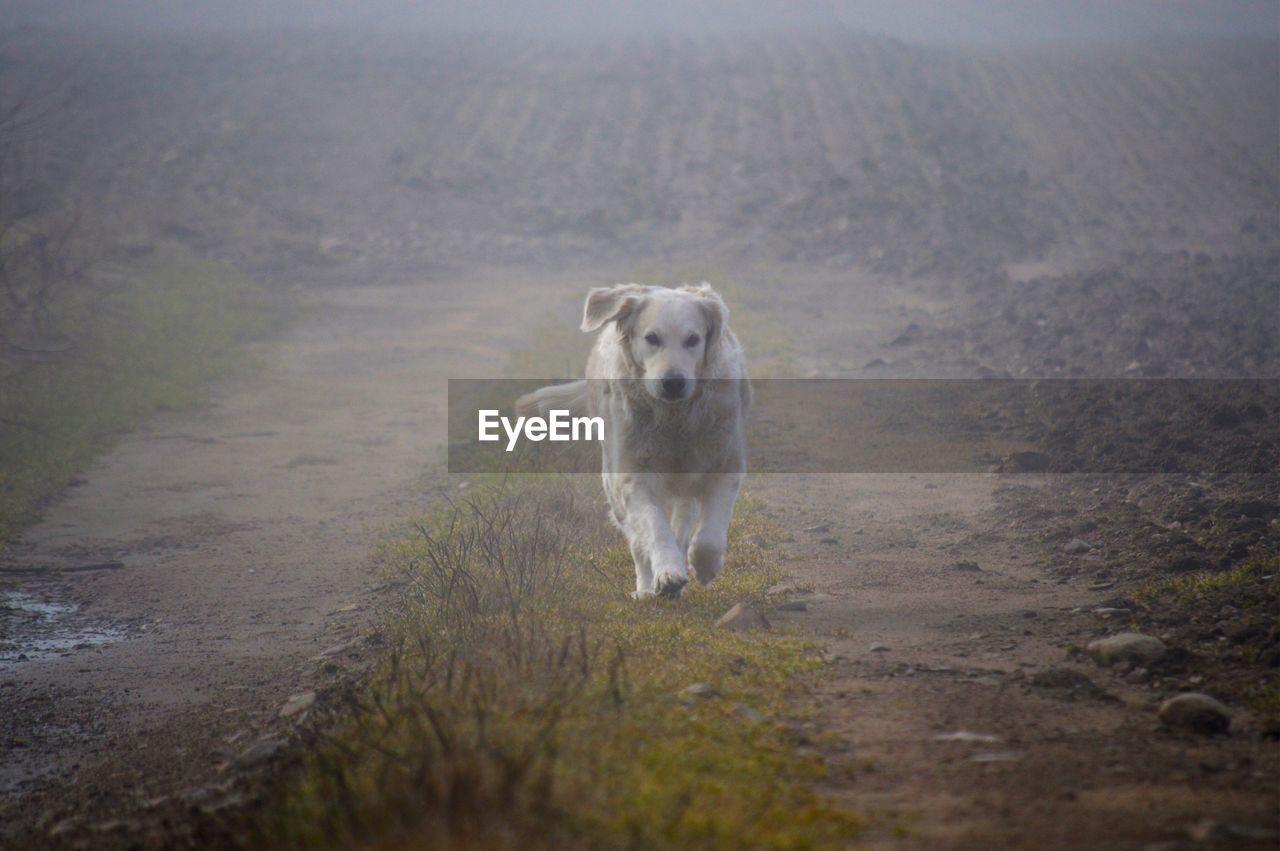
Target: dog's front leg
[706,551]
[660,567]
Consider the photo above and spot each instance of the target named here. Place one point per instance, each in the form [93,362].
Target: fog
[914,20]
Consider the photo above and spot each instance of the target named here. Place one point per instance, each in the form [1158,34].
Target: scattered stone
[262,751]
[349,607]
[234,801]
[1102,586]
[1131,647]
[114,826]
[965,567]
[786,586]
[1076,546]
[878,648]
[1137,675]
[831,542]
[1197,712]
[966,736]
[793,606]
[332,651]
[997,756]
[703,690]
[821,527]
[297,704]
[742,617]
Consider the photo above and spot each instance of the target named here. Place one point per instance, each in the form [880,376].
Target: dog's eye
[653,339]
[693,340]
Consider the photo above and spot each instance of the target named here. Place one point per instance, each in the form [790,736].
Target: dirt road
[243,528]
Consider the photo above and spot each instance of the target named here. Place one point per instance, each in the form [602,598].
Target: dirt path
[925,646]
[243,527]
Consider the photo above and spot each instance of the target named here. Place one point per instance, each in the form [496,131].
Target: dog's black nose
[673,386]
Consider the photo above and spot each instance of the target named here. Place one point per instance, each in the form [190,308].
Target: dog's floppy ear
[713,308]
[606,304]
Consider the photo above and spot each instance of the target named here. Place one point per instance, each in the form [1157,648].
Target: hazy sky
[931,20]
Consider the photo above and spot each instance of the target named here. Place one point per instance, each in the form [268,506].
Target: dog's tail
[571,397]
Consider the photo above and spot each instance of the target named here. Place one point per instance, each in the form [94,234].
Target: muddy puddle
[38,623]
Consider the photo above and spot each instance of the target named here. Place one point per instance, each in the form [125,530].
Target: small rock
[114,826]
[998,756]
[332,651]
[786,586]
[264,750]
[966,736]
[821,527]
[1076,546]
[793,606]
[704,690]
[742,617]
[1130,647]
[878,648]
[298,703]
[831,542]
[1197,712]
[758,541]
[1138,675]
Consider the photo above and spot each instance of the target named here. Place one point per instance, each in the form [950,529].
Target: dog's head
[668,335]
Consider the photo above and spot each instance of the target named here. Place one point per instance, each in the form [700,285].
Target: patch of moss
[530,701]
[1196,585]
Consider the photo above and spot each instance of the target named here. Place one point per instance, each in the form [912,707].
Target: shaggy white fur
[669,379]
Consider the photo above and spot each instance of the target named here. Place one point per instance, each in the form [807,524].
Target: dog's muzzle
[674,386]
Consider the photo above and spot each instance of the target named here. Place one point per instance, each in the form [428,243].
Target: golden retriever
[669,379]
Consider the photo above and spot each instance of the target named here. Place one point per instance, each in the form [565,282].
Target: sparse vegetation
[529,701]
[1196,585]
[144,337]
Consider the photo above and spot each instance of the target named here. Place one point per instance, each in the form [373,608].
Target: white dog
[669,379]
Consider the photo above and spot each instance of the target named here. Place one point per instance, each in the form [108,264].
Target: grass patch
[147,337]
[529,701]
[1194,586]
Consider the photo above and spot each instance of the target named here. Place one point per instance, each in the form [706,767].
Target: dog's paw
[706,561]
[669,585]
[639,594]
